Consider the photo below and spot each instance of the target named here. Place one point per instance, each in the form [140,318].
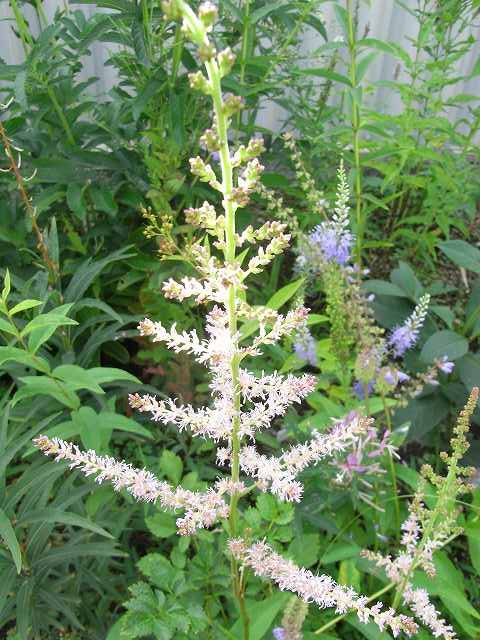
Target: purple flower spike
[359,389]
[405,336]
[334,243]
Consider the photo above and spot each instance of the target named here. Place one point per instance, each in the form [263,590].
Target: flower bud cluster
[426,530]
[315,198]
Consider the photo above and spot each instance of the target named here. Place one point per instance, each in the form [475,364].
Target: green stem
[333,622]
[60,114]
[221,122]
[23,30]
[393,474]
[356,126]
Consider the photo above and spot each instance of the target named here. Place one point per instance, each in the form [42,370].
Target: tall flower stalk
[242,403]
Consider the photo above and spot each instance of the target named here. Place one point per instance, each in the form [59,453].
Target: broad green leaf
[340,551]
[161,524]
[369,631]
[384,288]
[41,385]
[305,548]
[444,343]
[14,354]
[10,539]
[462,253]
[77,378]
[468,369]
[41,334]
[24,305]
[404,277]
[7,327]
[171,465]
[47,320]
[102,375]
[262,615]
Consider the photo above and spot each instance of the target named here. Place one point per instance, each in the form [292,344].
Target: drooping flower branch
[320,589]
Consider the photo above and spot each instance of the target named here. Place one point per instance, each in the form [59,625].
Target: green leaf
[77,378]
[76,201]
[8,535]
[383,288]
[468,369]
[47,320]
[444,343]
[161,524]
[41,334]
[88,271]
[6,285]
[391,48]
[404,277]
[157,568]
[23,357]
[102,375]
[462,253]
[284,294]
[52,514]
[305,548]
[103,200]
[328,74]
[24,305]
[363,64]
[171,465]
[264,11]
[41,385]
[342,18]
[340,551]
[262,614]
[7,327]
[24,608]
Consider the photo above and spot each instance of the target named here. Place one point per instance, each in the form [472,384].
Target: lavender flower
[279,633]
[330,241]
[359,388]
[405,336]
[333,243]
[305,346]
[446,365]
